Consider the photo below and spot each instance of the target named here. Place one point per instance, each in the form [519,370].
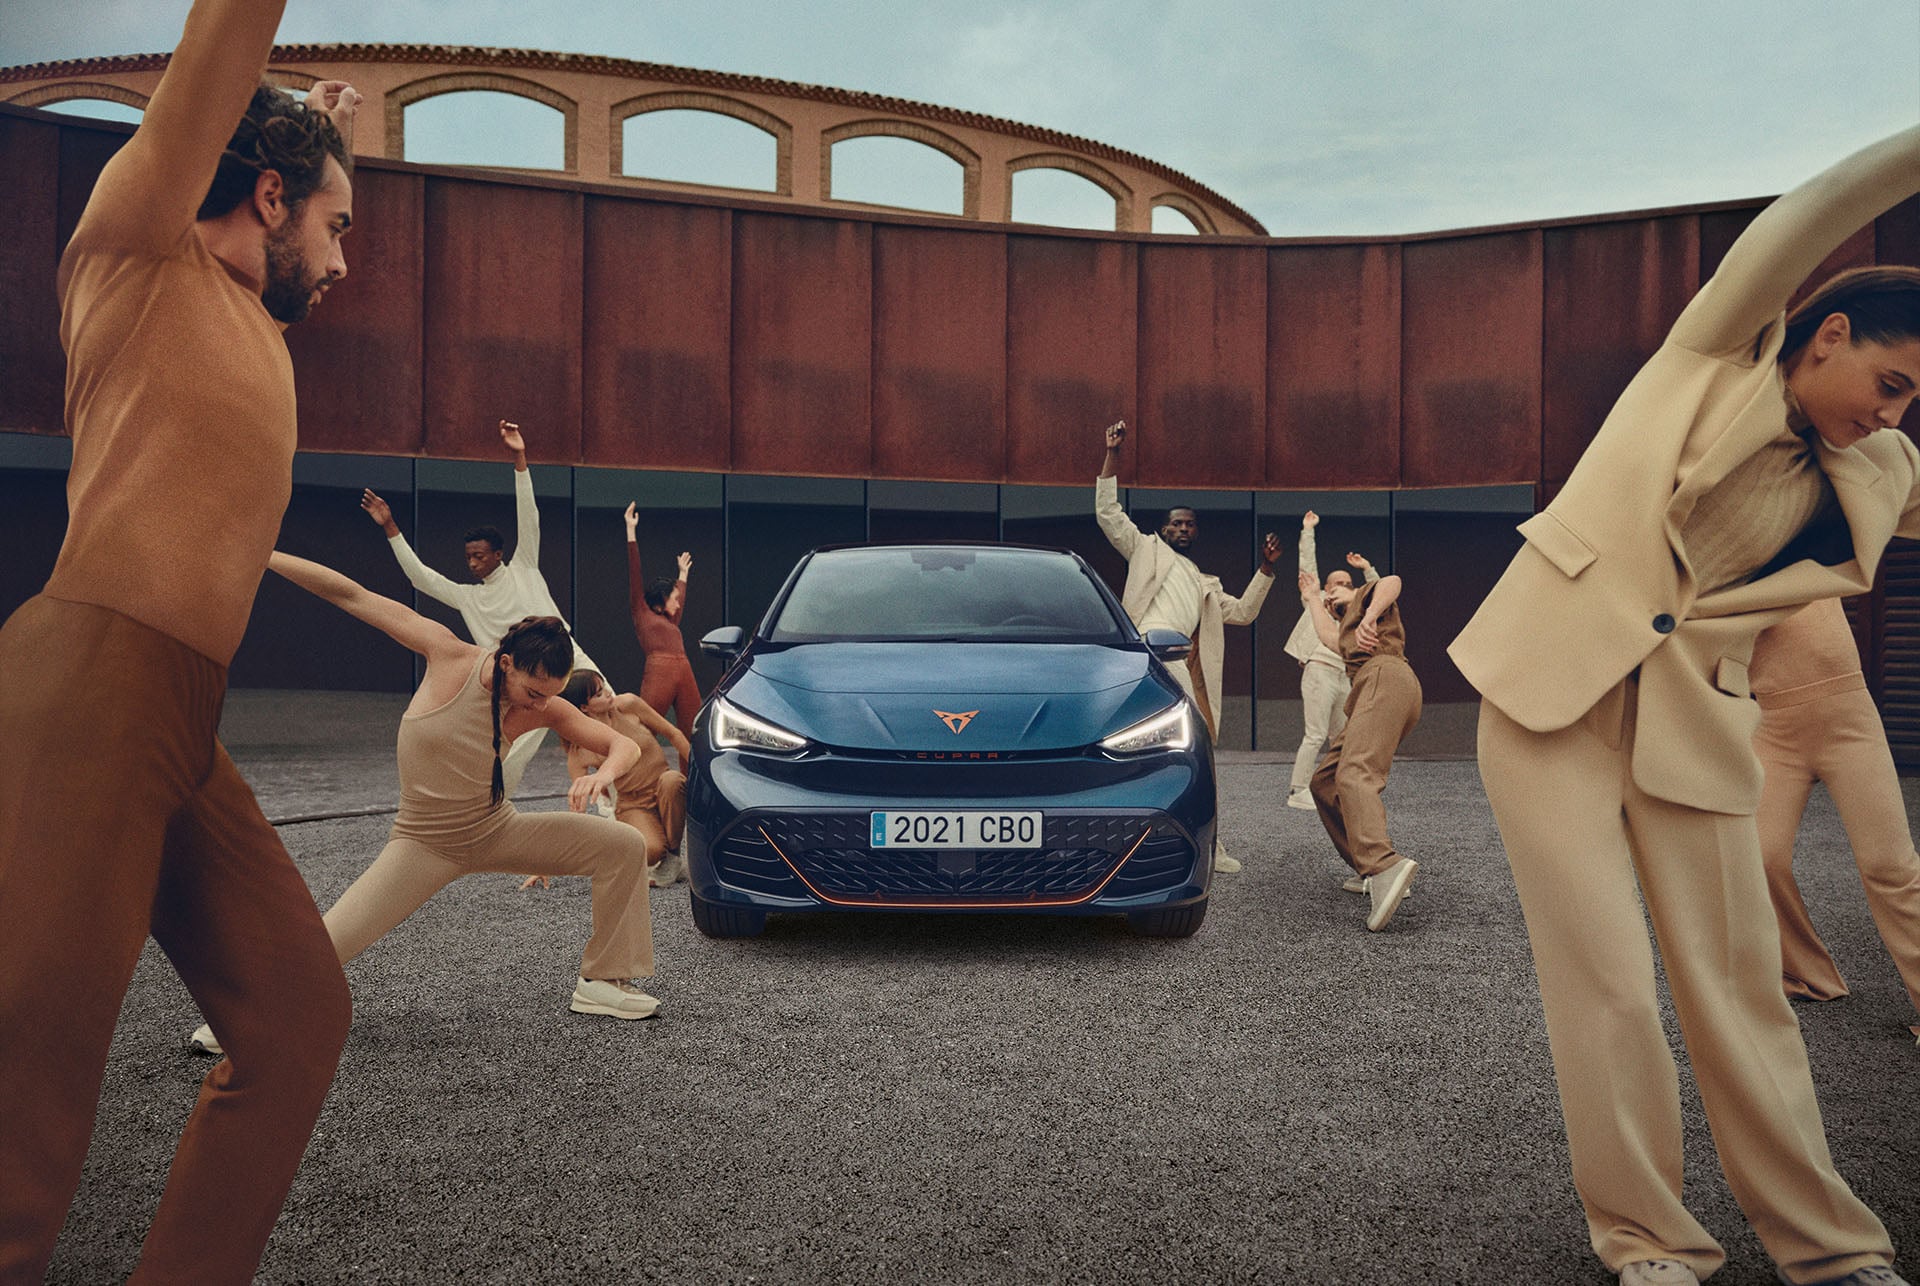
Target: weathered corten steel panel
[1613,291]
[356,359]
[503,318]
[32,367]
[1072,324]
[1719,229]
[939,353]
[802,345]
[658,335]
[1470,360]
[1203,367]
[84,152]
[1333,366]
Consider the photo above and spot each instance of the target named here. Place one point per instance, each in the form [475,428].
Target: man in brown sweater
[201,241]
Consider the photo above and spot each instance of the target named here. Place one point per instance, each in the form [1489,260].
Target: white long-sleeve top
[1304,644]
[512,590]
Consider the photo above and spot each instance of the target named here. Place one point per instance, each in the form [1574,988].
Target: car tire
[1168,922]
[719,921]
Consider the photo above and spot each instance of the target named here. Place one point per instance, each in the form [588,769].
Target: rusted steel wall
[687,333]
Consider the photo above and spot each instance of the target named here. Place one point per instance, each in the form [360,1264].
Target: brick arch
[404,96]
[289,79]
[1195,212]
[953,148]
[696,101]
[1104,179]
[69,91]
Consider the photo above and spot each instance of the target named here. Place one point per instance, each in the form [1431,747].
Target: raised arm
[1362,564]
[1791,237]
[526,513]
[656,723]
[1242,610]
[677,599]
[636,584]
[1309,556]
[1324,626]
[418,574]
[1119,529]
[149,193]
[398,622]
[1384,595]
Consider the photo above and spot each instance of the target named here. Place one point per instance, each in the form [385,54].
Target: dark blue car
[948,728]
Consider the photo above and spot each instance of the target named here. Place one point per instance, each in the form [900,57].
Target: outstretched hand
[377,509]
[632,517]
[1309,584]
[1269,553]
[1310,520]
[510,436]
[1358,562]
[686,563]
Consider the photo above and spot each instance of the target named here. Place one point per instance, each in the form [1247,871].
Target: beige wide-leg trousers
[1323,700]
[1586,845]
[1830,731]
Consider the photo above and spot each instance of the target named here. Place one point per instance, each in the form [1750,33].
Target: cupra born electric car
[948,728]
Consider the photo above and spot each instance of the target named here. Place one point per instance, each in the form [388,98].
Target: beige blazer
[1149,560]
[1603,584]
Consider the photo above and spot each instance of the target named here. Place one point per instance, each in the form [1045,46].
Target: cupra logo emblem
[956,723]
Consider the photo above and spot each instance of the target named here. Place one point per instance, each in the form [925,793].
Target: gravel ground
[1283,1097]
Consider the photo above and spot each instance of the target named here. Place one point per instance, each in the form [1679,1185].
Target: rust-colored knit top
[656,633]
[1393,636]
[179,387]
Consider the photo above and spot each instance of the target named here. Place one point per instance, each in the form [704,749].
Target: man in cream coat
[1165,590]
[1738,477]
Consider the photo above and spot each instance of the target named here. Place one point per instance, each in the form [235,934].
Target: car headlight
[1171,729]
[734,729]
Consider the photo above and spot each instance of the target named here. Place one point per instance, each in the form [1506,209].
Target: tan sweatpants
[1382,709]
[1323,699]
[410,870]
[1831,732]
[1578,834]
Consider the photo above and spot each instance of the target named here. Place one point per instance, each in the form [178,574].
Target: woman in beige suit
[1740,475]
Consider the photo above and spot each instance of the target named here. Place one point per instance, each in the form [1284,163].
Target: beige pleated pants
[1579,836]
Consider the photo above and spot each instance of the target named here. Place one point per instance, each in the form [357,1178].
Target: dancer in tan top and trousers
[650,797]
[1383,705]
[455,818]
[213,228]
[1818,723]
[1739,477]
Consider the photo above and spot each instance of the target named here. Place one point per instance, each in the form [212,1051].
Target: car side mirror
[1168,645]
[726,643]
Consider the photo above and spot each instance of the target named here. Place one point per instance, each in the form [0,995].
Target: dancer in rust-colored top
[668,679]
[216,225]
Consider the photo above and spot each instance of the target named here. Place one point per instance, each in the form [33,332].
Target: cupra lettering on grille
[956,723]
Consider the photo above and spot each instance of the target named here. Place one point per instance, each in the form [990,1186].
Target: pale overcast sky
[1330,119]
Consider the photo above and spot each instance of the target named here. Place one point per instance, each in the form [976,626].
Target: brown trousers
[1586,844]
[1382,709]
[121,816]
[1831,732]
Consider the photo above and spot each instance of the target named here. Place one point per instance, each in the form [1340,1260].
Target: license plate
[956,830]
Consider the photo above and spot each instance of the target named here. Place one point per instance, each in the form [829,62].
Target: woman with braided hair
[455,818]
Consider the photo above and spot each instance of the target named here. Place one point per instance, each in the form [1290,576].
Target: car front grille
[830,855]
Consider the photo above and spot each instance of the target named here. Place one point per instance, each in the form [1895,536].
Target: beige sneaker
[202,1041]
[1386,891]
[1221,862]
[1658,1272]
[622,999]
[670,870]
[1302,800]
[1354,884]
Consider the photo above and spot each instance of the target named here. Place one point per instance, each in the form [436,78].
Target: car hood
[1004,697]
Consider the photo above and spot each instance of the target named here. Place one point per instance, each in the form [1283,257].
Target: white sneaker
[1658,1272]
[1221,862]
[670,870]
[622,999]
[1387,891]
[1302,800]
[202,1041]
[1354,884]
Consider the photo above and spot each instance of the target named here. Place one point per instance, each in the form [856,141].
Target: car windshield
[929,593]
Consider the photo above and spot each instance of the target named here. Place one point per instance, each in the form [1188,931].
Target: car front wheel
[1168,922]
[717,920]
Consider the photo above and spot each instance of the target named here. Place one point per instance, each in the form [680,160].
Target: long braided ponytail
[539,645]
